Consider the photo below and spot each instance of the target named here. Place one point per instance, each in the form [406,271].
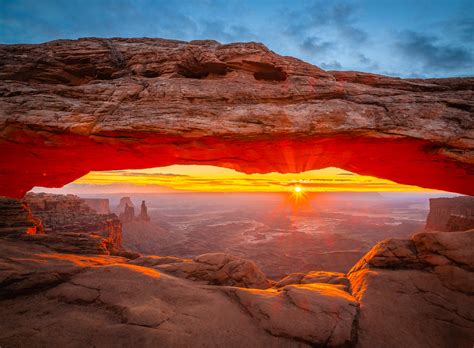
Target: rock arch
[71,106]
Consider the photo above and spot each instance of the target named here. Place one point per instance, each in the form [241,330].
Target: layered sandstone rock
[71,225]
[405,293]
[104,302]
[215,268]
[68,107]
[16,218]
[451,214]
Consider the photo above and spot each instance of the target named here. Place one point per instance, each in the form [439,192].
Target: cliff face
[16,219]
[70,223]
[451,214]
[124,202]
[100,205]
[68,107]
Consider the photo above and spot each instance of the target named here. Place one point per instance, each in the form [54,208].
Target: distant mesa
[100,205]
[128,214]
[124,201]
[126,210]
[451,214]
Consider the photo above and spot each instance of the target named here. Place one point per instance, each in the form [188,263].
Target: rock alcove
[69,107]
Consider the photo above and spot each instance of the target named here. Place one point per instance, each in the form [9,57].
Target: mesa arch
[71,106]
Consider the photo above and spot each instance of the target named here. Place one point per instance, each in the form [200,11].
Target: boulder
[214,268]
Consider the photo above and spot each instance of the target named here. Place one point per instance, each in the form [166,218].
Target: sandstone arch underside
[71,106]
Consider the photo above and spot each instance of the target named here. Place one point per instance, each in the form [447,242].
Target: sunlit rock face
[71,225]
[16,219]
[68,107]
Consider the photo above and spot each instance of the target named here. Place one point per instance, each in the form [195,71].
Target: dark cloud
[315,46]
[334,65]
[321,16]
[462,28]
[431,54]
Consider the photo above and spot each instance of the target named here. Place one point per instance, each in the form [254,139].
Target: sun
[297,189]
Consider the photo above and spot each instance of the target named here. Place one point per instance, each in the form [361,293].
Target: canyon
[71,106]
[93,299]
[68,277]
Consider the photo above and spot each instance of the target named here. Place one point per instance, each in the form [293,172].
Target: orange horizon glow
[204,178]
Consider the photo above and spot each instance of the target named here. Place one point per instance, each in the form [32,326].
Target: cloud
[431,54]
[334,65]
[324,16]
[462,28]
[315,46]
[156,175]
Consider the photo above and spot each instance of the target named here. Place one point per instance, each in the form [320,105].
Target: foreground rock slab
[71,106]
[403,293]
[214,268]
[417,293]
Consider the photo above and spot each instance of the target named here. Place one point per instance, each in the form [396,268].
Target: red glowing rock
[69,107]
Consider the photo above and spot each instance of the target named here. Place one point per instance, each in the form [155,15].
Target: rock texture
[451,214]
[68,107]
[71,225]
[335,278]
[405,293]
[215,268]
[16,218]
[417,293]
[102,301]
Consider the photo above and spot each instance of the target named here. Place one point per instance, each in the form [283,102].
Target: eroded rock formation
[143,216]
[404,293]
[214,268]
[451,214]
[71,225]
[16,218]
[128,214]
[68,107]
[124,201]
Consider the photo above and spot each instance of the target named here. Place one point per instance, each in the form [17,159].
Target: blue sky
[408,38]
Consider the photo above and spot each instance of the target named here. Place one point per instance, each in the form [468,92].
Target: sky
[204,178]
[407,38]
